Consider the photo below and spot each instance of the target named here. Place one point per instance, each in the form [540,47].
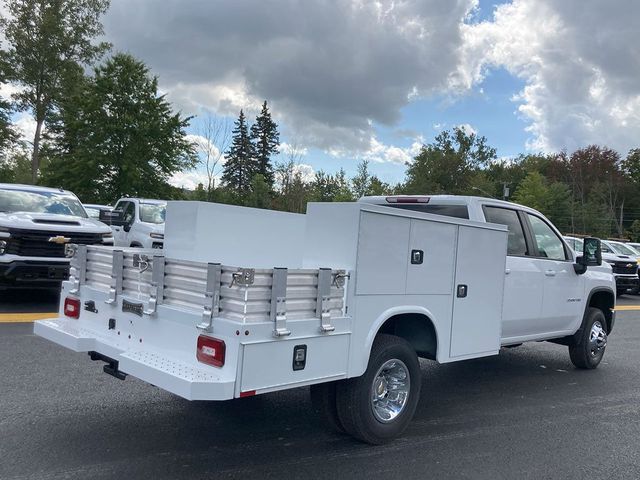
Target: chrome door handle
[550,273]
[507,271]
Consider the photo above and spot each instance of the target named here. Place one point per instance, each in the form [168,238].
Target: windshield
[93,212]
[40,202]
[624,249]
[153,212]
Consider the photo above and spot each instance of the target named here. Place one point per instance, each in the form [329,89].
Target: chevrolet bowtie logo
[60,240]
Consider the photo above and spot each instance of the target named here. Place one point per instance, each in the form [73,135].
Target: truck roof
[441,200]
[32,188]
[144,200]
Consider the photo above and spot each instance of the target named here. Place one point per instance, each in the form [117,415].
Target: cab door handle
[507,271]
[550,273]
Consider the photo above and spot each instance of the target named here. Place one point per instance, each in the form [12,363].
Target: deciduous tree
[125,139]
[44,39]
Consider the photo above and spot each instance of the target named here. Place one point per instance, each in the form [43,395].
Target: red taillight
[407,199]
[210,351]
[72,307]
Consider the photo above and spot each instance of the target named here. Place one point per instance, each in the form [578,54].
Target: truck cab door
[524,279]
[121,232]
[563,302]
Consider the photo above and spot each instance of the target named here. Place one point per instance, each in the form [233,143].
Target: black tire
[323,400]
[588,349]
[354,396]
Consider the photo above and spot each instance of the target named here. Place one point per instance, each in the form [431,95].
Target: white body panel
[212,232]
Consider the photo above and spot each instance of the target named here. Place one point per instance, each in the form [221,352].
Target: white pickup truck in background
[345,298]
[137,222]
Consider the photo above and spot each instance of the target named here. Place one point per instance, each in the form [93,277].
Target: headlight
[107,238]
[3,245]
[159,236]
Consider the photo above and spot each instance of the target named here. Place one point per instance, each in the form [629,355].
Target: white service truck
[137,222]
[345,298]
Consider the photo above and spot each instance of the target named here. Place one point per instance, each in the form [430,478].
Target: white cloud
[381,153]
[579,62]
[330,71]
[26,126]
[292,150]
[189,179]
[467,128]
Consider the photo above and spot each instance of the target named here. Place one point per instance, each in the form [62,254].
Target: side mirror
[115,217]
[106,216]
[591,255]
[126,227]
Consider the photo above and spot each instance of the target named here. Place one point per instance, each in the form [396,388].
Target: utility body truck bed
[244,301]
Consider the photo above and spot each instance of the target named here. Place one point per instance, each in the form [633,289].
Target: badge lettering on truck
[132,307]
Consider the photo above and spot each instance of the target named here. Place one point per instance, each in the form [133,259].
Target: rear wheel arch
[417,329]
[412,323]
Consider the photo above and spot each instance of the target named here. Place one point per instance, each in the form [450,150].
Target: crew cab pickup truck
[138,222]
[36,224]
[345,299]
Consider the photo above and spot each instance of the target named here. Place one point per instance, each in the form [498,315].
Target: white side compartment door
[435,243]
[477,294]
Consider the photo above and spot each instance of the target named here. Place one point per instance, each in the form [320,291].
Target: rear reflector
[248,393]
[210,351]
[407,199]
[72,307]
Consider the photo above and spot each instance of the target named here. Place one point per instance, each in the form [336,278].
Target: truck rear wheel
[587,351]
[378,406]
[323,400]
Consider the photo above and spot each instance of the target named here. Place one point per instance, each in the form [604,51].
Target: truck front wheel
[378,406]
[588,349]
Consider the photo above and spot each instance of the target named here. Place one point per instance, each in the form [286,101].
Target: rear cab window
[516,244]
[449,210]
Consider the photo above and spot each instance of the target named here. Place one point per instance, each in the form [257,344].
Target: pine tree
[240,166]
[266,140]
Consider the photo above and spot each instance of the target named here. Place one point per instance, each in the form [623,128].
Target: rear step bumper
[178,377]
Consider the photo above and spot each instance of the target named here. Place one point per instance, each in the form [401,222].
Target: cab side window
[503,216]
[549,244]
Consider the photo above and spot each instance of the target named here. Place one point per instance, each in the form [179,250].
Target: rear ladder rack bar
[323,308]
[279,302]
[211,308]
[79,264]
[116,276]
[156,293]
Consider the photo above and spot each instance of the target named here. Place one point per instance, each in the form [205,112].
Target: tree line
[103,130]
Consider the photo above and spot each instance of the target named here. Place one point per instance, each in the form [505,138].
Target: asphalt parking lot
[526,413]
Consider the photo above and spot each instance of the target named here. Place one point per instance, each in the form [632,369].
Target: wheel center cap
[381,387]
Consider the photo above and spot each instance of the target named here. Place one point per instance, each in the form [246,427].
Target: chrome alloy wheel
[597,338]
[390,390]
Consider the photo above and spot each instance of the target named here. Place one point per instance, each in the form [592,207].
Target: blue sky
[348,80]
[489,109]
